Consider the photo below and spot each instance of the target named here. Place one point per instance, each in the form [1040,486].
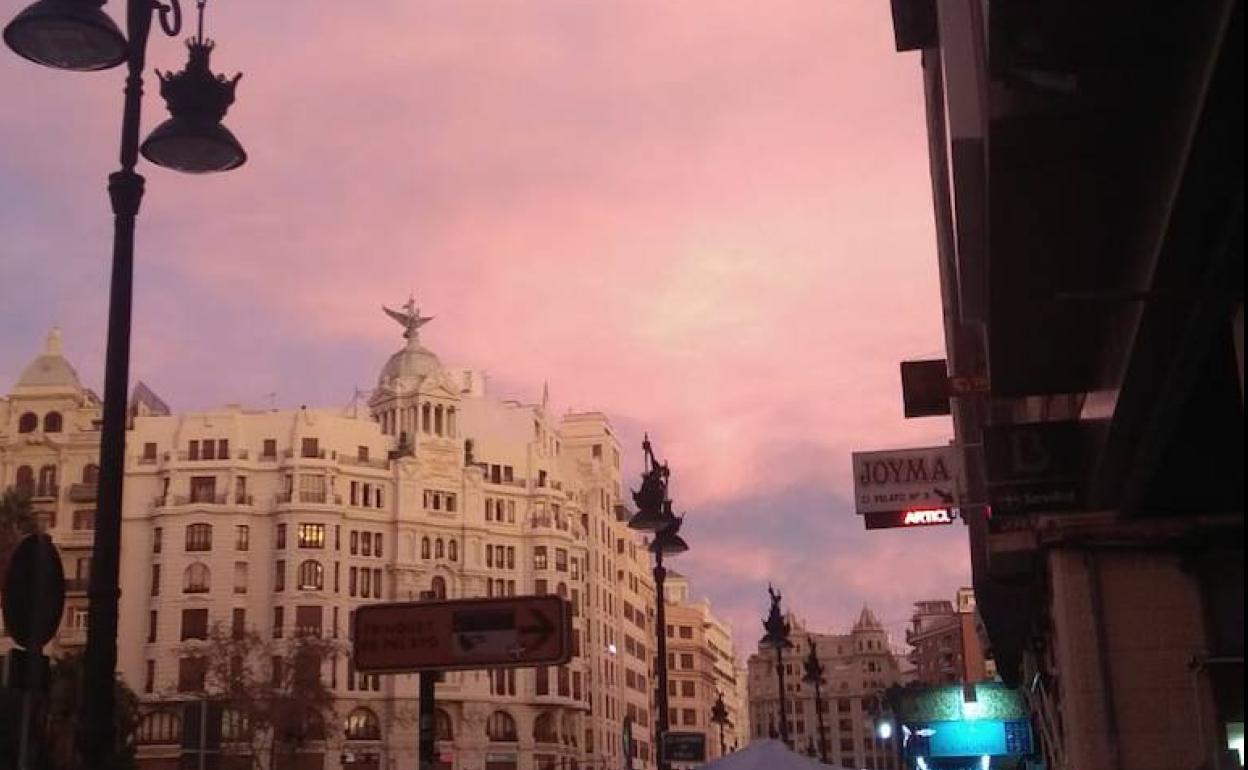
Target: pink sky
[711,220]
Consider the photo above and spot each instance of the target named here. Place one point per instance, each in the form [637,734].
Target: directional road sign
[463,634]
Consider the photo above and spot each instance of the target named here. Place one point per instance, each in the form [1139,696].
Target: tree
[56,721]
[16,522]
[269,694]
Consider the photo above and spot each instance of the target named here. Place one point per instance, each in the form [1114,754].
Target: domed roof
[414,362]
[49,369]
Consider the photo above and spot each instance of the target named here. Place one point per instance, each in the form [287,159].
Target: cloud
[711,221]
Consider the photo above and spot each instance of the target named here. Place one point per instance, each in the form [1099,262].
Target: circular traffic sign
[34,592]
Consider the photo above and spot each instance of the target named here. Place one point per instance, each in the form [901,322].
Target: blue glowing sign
[968,738]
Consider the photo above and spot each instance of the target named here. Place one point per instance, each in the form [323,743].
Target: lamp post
[777,638]
[719,716]
[813,674]
[77,35]
[654,514]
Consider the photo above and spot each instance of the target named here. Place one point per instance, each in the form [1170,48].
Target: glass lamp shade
[67,34]
[193,146]
[649,520]
[669,544]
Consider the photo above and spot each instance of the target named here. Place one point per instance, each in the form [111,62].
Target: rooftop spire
[53,345]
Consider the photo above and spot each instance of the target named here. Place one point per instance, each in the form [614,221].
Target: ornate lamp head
[667,539]
[719,711]
[68,35]
[653,507]
[777,628]
[193,139]
[813,669]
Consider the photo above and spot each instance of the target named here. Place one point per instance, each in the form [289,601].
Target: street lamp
[654,514]
[813,674]
[719,716]
[777,638]
[77,35]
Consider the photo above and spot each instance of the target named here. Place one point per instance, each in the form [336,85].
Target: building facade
[945,642]
[1088,203]
[282,522]
[702,667]
[858,667]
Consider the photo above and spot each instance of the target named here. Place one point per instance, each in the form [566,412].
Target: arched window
[52,422]
[501,727]
[311,576]
[443,725]
[196,579]
[159,727]
[439,549]
[91,474]
[362,725]
[25,481]
[438,587]
[452,550]
[27,422]
[544,729]
[199,537]
[424,548]
[562,590]
[47,481]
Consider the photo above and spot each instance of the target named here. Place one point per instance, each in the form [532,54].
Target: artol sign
[917,487]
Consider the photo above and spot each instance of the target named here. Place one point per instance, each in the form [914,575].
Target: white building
[282,520]
[858,667]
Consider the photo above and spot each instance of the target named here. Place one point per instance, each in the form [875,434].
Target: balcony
[44,492]
[76,585]
[318,454]
[312,498]
[174,501]
[364,462]
[83,493]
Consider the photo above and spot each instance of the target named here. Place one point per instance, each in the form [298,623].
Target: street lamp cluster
[654,515]
[77,35]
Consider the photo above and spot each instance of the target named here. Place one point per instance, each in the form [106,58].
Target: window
[308,619]
[279,575]
[194,624]
[279,619]
[157,533]
[52,422]
[191,674]
[561,559]
[377,544]
[439,549]
[280,536]
[310,447]
[362,725]
[203,489]
[155,580]
[311,576]
[686,632]
[438,587]
[238,623]
[366,544]
[377,584]
[686,661]
[27,423]
[501,727]
[688,689]
[149,676]
[242,537]
[311,535]
[352,581]
[539,557]
[424,548]
[151,626]
[90,474]
[196,579]
[84,520]
[366,583]
[199,537]
[453,550]
[355,543]
[240,577]
[269,450]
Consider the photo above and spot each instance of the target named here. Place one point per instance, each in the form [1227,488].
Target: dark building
[1087,167]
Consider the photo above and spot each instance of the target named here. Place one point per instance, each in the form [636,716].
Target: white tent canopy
[767,755]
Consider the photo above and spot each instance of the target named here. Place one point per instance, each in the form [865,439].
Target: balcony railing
[305,455]
[365,462]
[314,498]
[169,501]
[44,492]
[83,493]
